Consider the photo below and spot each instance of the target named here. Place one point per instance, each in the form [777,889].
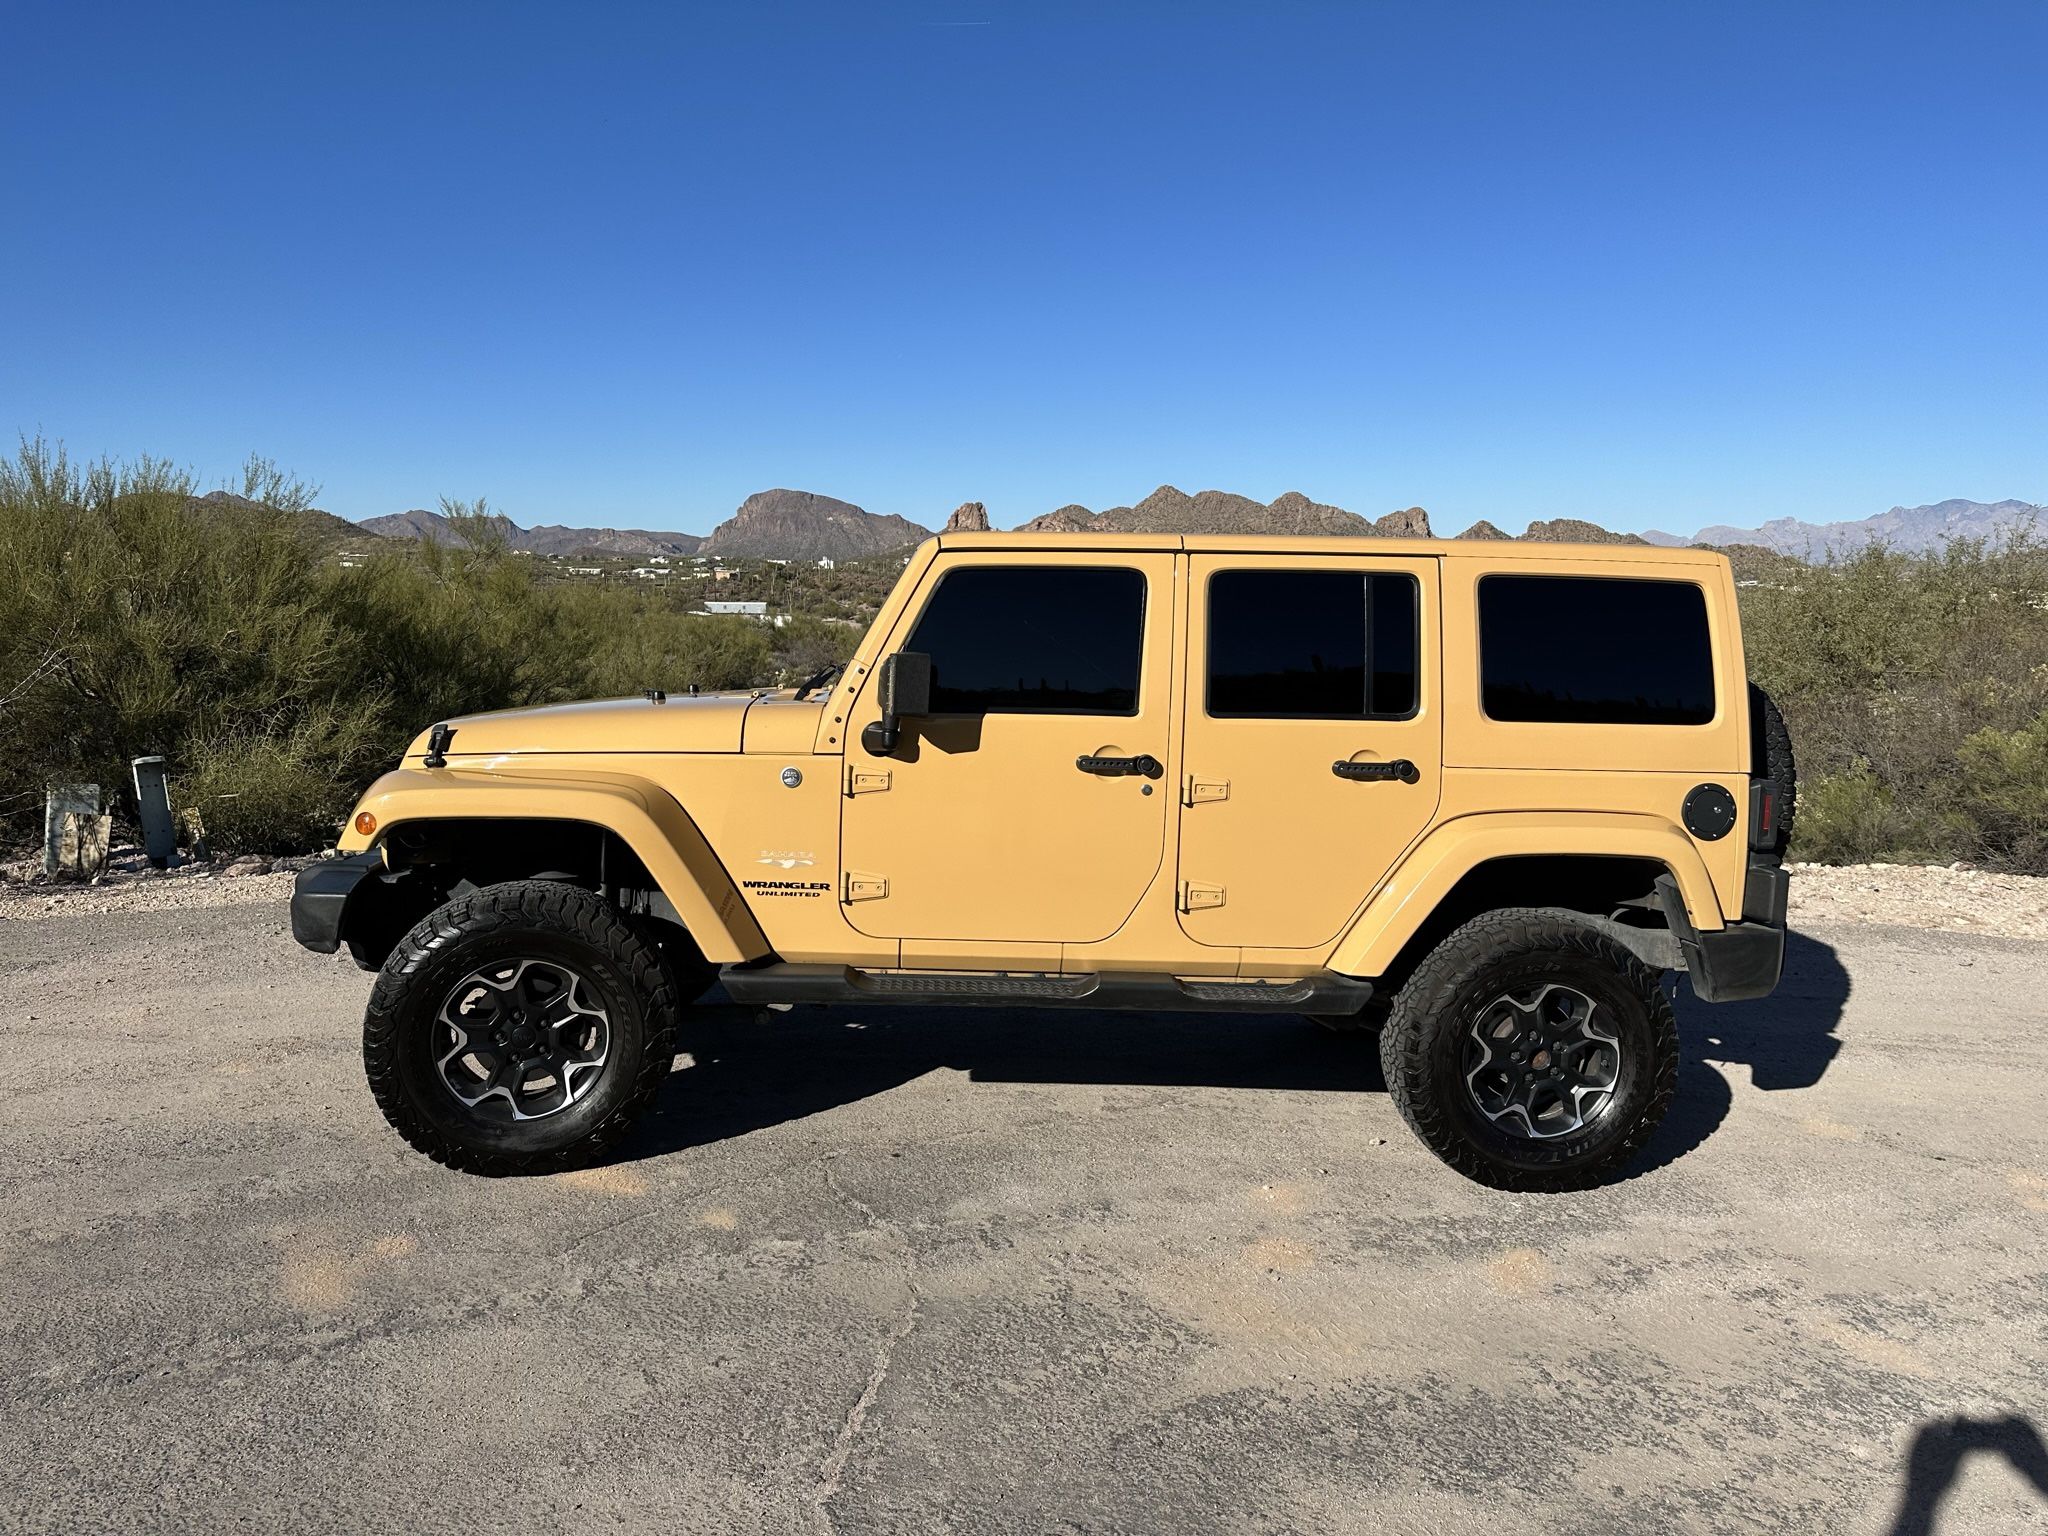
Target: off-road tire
[1422,1048]
[528,918]
[1770,756]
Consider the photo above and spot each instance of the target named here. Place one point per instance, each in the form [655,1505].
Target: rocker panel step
[784,983]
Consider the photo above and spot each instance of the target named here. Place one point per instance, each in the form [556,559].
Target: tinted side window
[1321,645]
[1595,650]
[1034,639]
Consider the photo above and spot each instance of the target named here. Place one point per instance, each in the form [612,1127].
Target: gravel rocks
[1952,899]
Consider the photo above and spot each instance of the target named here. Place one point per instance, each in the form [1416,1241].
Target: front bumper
[1743,960]
[320,897]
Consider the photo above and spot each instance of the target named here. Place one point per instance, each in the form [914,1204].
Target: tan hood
[710,722]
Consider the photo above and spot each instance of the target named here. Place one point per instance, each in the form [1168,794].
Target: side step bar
[782,983]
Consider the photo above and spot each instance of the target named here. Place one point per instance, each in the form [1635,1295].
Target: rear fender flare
[643,815]
[1421,881]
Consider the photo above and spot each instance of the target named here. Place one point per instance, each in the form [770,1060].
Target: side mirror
[903,687]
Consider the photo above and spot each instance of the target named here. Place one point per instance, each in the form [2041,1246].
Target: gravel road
[1000,1272]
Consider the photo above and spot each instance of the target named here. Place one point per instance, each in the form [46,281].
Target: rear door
[1313,740]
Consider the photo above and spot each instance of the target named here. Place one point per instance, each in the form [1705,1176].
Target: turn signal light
[365,823]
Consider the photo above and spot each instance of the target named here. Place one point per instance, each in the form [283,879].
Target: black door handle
[1145,765]
[1375,773]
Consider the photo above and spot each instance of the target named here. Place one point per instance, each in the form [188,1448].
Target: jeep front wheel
[1532,1052]
[519,1029]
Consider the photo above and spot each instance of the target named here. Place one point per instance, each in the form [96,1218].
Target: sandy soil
[871,1270]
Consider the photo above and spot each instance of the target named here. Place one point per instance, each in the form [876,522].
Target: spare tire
[1770,757]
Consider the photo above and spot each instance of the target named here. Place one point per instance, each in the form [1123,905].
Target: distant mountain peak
[968,517]
[1409,523]
[1573,530]
[1907,528]
[783,524]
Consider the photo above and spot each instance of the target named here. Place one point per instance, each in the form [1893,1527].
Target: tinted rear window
[1018,639]
[1317,645]
[1595,651]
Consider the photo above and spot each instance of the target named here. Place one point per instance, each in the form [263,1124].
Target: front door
[1314,740]
[985,824]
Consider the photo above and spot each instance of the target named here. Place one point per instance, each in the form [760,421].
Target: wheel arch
[509,824]
[1575,861]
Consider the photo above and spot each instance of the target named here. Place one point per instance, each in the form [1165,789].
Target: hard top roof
[1309,544]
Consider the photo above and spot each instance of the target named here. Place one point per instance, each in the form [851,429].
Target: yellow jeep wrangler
[1480,797]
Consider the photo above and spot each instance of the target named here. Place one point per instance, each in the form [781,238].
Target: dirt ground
[877,1270]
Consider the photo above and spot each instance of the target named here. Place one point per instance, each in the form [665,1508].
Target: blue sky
[1654,264]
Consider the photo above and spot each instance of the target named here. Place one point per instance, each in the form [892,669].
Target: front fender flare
[646,817]
[1420,882]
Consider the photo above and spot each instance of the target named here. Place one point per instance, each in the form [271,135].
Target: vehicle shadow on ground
[1939,1449]
[750,1069]
[1787,1040]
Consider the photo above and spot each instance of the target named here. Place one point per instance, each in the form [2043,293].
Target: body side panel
[1455,847]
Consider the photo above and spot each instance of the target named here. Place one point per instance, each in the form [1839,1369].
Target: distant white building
[586,570]
[826,562]
[745,610]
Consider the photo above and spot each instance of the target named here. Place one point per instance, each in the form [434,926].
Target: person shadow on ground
[748,1069]
[1939,1449]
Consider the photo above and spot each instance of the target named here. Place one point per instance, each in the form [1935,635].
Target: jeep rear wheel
[1531,1052]
[520,1029]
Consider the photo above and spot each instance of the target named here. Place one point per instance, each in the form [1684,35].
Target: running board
[781,983]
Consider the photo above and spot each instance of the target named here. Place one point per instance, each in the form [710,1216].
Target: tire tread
[549,904]
[1436,987]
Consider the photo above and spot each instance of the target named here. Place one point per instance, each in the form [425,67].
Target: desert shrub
[1915,686]
[1851,816]
[271,792]
[2003,791]
[136,618]
[805,646]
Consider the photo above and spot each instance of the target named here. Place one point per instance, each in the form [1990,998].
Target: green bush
[1915,687]
[137,619]
[2003,791]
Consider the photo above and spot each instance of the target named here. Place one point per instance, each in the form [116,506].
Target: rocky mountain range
[1171,510]
[548,539]
[803,525]
[1908,528]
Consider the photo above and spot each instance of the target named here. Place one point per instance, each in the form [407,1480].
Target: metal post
[153,808]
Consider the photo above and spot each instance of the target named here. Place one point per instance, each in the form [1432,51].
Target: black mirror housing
[903,687]
[906,684]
